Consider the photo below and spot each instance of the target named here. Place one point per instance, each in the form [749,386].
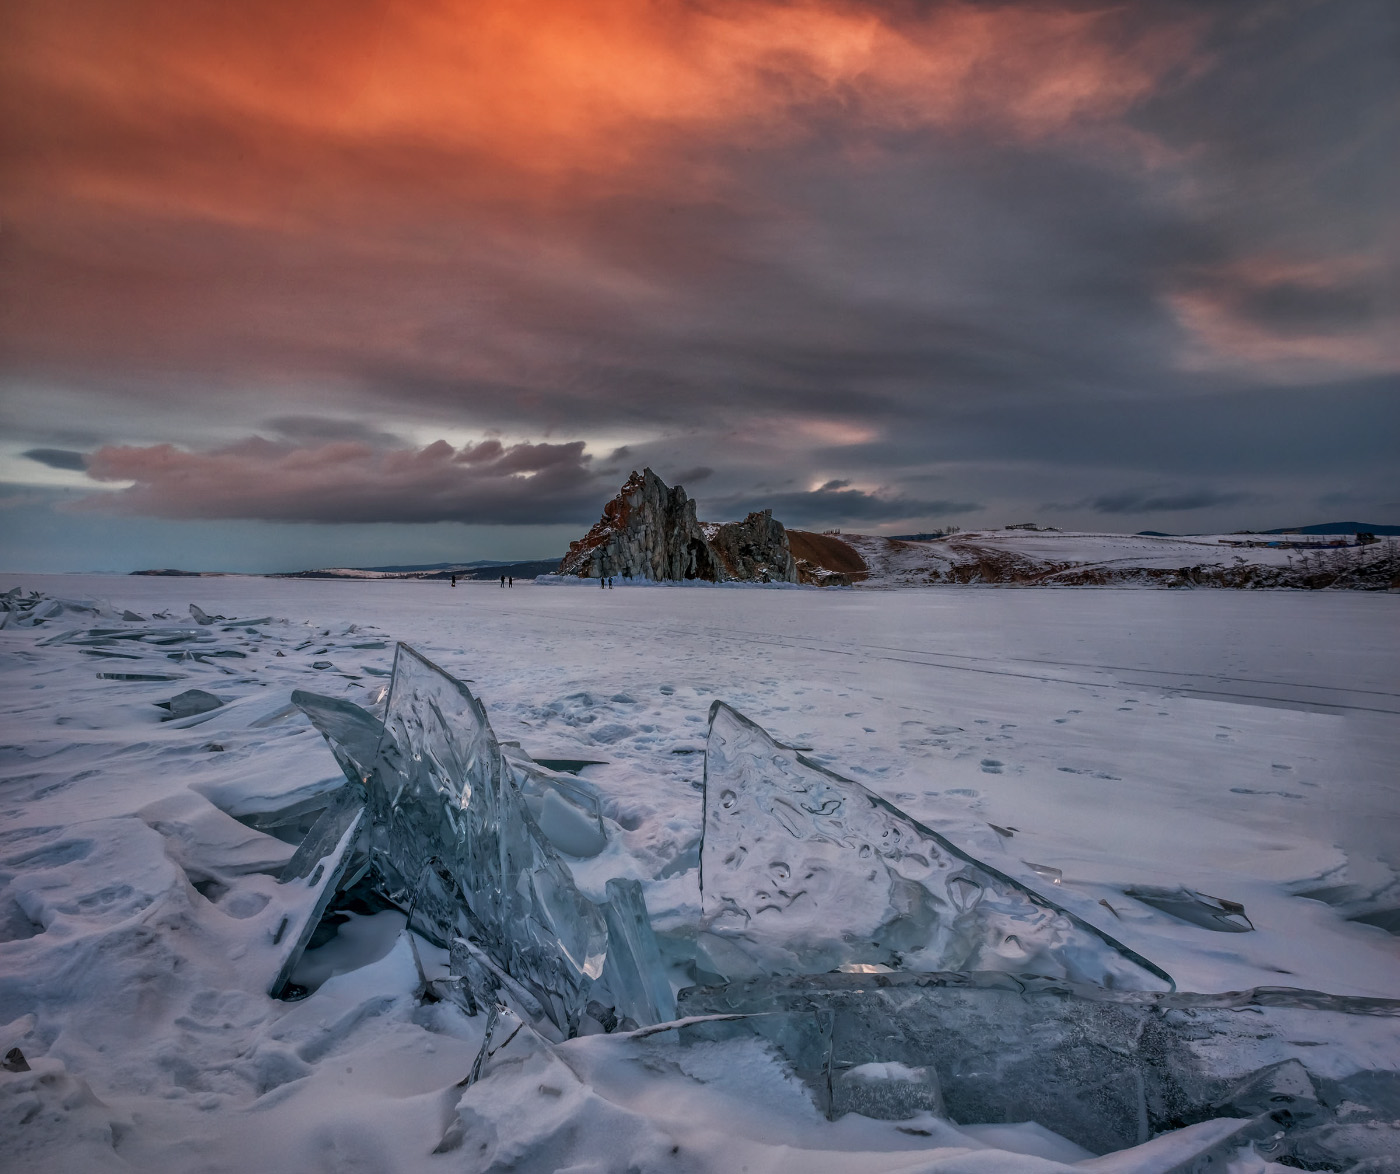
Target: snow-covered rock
[649,531]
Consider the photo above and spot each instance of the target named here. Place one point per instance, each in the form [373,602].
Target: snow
[1052,558]
[1239,743]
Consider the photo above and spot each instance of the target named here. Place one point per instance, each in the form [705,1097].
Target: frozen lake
[1241,743]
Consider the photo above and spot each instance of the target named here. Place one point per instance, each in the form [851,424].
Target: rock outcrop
[649,531]
[755,549]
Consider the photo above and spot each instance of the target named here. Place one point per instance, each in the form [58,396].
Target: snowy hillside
[1056,558]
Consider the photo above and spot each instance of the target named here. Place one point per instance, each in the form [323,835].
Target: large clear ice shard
[451,830]
[353,733]
[566,809]
[319,870]
[465,836]
[1107,1069]
[803,871]
[633,972]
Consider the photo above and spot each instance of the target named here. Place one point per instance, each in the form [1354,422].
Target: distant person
[602,583]
[610,579]
[454,580]
[510,581]
[503,582]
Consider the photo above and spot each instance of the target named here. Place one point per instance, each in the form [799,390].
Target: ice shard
[188,704]
[443,806]
[803,871]
[467,836]
[633,972]
[353,733]
[1107,1069]
[1197,908]
[567,810]
[451,834]
[313,877]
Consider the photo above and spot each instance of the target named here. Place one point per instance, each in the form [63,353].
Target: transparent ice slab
[455,836]
[353,733]
[567,810]
[1197,908]
[803,871]
[633,972]
[321,869]
[1319,1074]
[442,806]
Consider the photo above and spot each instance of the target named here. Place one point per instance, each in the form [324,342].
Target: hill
[1339,528]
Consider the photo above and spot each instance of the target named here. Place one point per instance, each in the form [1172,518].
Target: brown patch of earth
[825,551]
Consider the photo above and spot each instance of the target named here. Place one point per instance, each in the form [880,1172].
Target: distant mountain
[481,569]
[1337,528]
[449,567]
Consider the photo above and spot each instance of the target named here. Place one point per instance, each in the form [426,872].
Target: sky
[358,282]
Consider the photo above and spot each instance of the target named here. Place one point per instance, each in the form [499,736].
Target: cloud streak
[350,482]
[58,458]
[1148,501]
[836,503]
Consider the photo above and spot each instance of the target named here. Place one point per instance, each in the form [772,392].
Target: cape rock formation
[649,531]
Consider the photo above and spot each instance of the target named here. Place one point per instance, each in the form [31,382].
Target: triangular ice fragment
[803,871]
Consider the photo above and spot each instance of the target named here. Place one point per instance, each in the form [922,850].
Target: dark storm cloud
[835,504]
[312,428]
[1290,305]
[1328,427]
[1153,501]
[58,458]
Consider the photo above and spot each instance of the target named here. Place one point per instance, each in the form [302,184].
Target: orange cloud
[553,86]
[359,188]
[1289,320]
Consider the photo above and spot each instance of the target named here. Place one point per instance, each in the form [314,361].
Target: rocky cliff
[649,531]
[755,549]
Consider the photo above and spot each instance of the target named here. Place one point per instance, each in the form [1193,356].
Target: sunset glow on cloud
[884,240]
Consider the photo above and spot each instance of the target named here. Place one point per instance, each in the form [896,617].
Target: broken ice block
[566,809]
[633,971]
[1107,1069]
[353,733]
[442,793]
[1198,908]
[803,871]
[321,878]
[188,704]
[328,831]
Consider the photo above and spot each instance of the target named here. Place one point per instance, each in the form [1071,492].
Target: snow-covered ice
[1242,745]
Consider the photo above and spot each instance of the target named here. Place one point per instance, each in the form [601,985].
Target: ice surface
[1198,908]
[803,871]
[189,703]
[145,1019]
[1107,1069]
